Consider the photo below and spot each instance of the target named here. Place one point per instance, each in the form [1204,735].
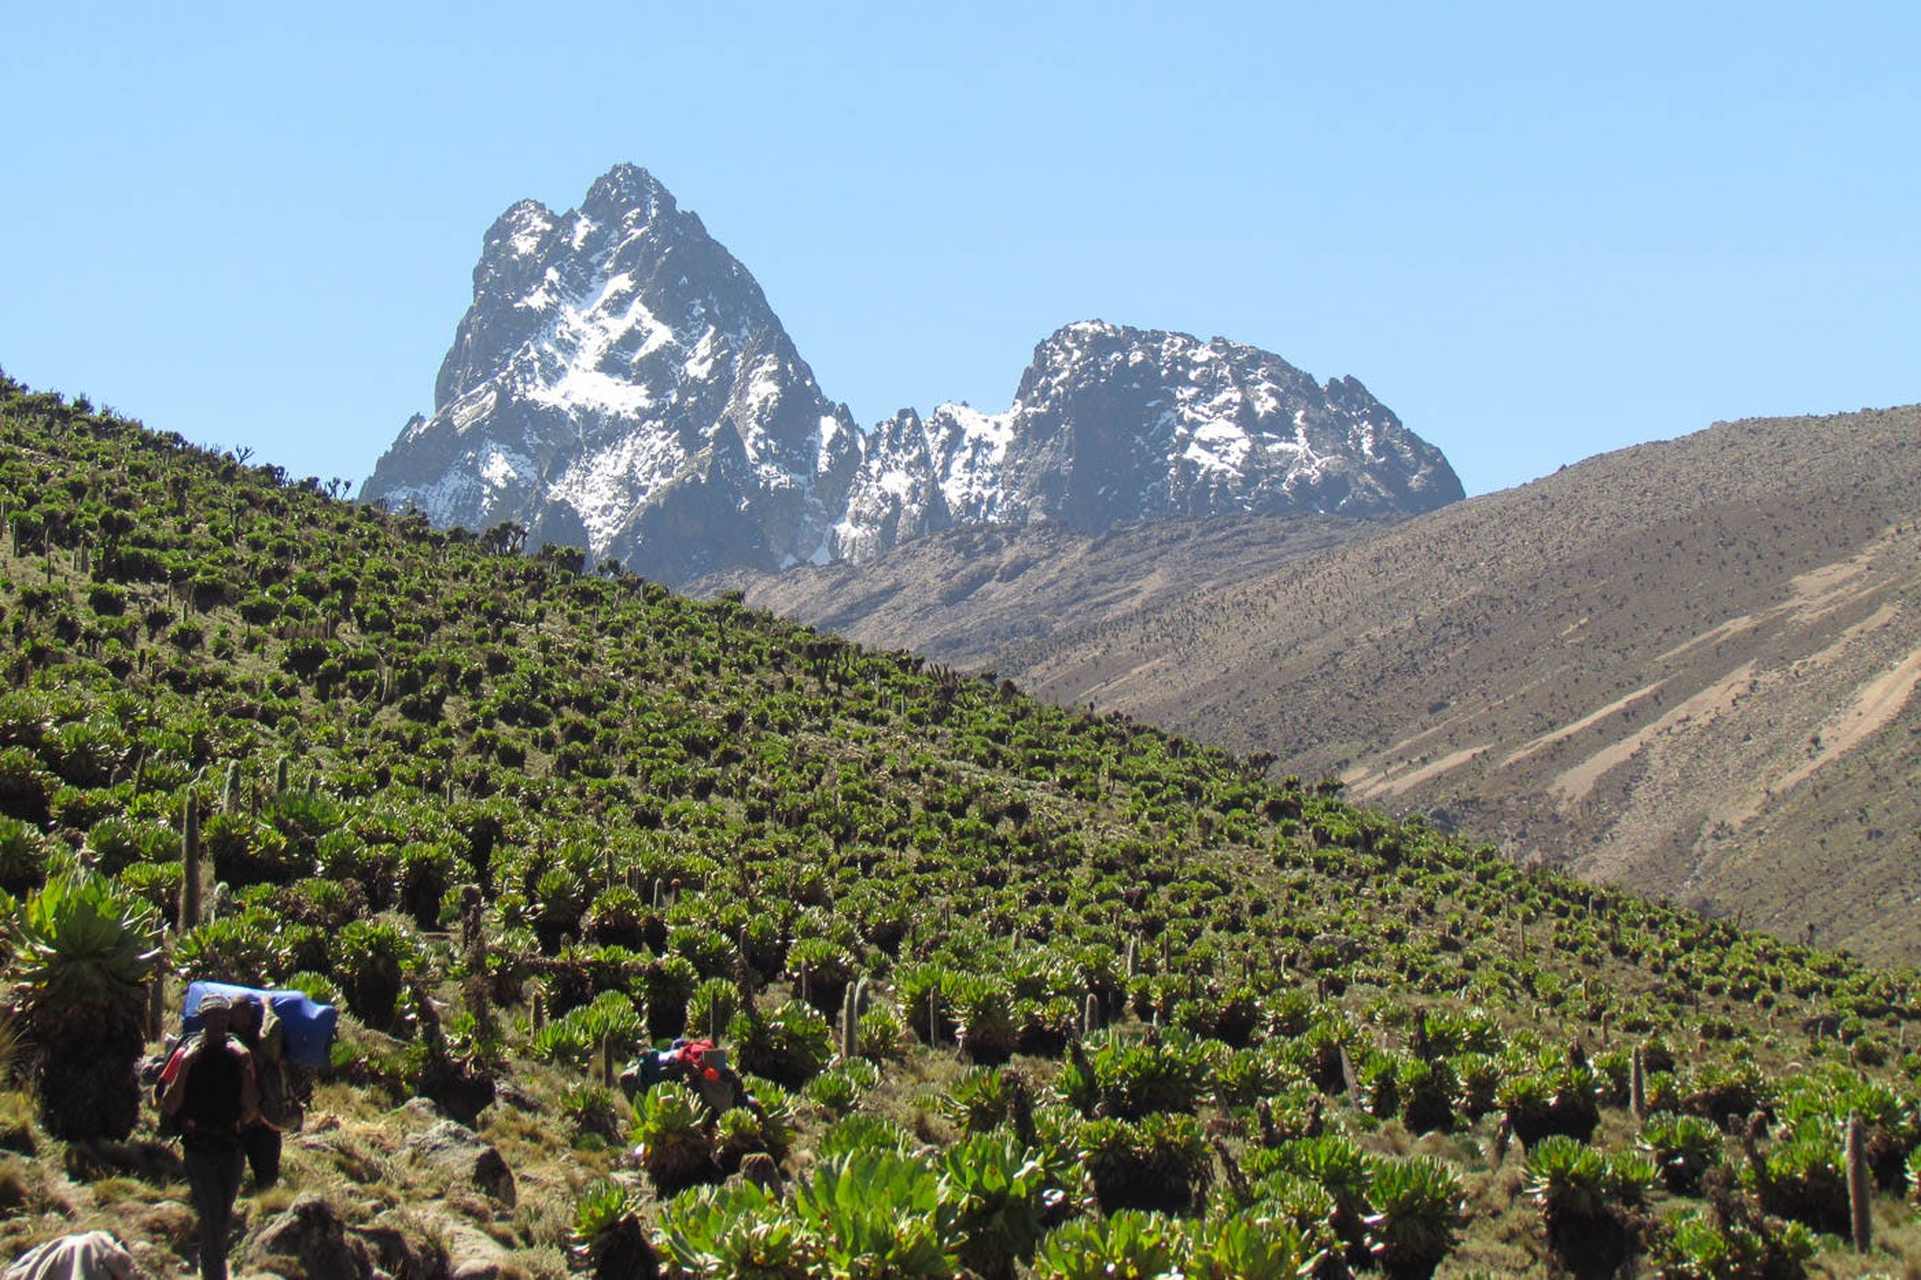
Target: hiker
[256,1026]
[701,1066]
[208,1092]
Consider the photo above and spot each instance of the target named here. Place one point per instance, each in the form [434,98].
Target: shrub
[984,1018]
[1125,1243]
[669,981]
[1427,1091]
[861,1132]
[371,959]
[1418,1214]
[1160,1161]
[837,1091]
[239,949]
[712,1006]
[1479,1080]
[1135,1244]
[1804,1178]
[822,968]
[999,1199]
[1683,1147]
[878,1214]
[608,1234]
[245,852]
[788,1046]
[1720,1093]
[1126,1080]
[1246,1076]
[1582,1194]
[1694,1248]
[1543,1105]
[1238,1248]
[736,1230]
[1340,1169]
[23,856]
[672,1142]
[979,1101]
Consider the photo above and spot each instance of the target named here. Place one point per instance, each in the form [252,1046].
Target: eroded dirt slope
[1689,666]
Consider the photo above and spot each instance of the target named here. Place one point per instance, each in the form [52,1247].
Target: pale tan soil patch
[1816,586]
[1873,622]
[1565,732]
[1573,785]
[1877,703]
[1394,786]
[1822,591]
[1725,631]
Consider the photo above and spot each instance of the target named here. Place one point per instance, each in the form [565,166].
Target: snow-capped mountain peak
[1112,424]
[621,383]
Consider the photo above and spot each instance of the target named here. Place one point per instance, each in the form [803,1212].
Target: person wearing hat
[255,1025]
[209,1092]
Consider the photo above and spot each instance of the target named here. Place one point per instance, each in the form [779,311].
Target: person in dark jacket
[256,1027]
[209,1092]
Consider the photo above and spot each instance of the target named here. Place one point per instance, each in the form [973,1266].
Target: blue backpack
[307,1026]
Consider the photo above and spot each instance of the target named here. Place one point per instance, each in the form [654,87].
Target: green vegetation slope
[1116,1000]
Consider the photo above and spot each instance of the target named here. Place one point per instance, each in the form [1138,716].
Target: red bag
[693,1056]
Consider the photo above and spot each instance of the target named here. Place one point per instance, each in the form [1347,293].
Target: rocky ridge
[620,383]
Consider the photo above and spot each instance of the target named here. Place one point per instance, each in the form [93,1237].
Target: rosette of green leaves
[1160,1161]
[1418,1215]
[672,1141]
[1000,1197]
[1128,1242]
[1683,1147]
[736,1230]
[1125,1079]
[873,1213]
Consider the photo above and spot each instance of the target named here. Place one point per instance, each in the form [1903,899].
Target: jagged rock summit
[1113,425]
[621,383]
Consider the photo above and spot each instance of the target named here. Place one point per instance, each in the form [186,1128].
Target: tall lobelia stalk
[1860,1190]
[850,1019]
[190,904]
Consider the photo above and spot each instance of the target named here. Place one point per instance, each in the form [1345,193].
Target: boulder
[472,1254]
[404,1244]
[461,1153]
[312,1234]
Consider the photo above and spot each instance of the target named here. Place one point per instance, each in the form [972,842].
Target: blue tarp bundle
[308,1027]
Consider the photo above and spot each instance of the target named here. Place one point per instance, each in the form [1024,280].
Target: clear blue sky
[1535,233]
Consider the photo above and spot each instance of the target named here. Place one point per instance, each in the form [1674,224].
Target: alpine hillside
[620,384]
[973,594]
[1013,991]
[1689,667]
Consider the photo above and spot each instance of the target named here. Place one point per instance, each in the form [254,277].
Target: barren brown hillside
[1686,666]
[970,594]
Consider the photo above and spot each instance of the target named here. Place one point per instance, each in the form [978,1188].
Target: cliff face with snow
[1113,425]
[620,383]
